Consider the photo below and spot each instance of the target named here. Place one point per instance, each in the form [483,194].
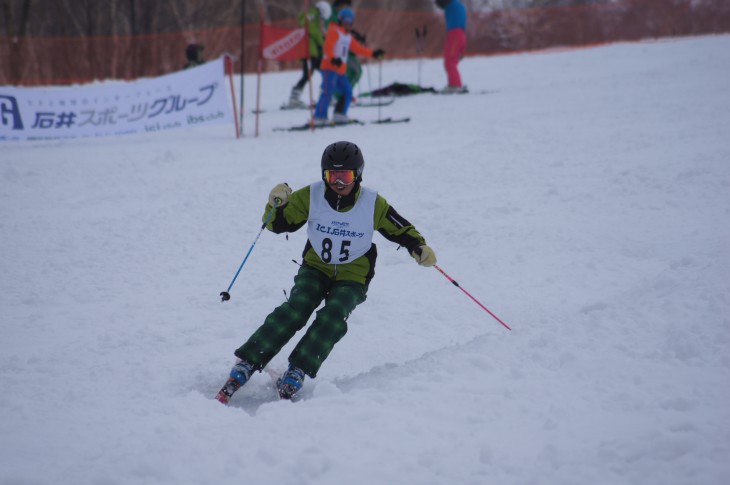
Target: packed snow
[582,196]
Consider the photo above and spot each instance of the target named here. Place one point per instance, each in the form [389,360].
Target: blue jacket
[455,15]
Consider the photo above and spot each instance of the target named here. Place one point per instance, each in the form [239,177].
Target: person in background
[336,6]
[341,217]
[354,67]
[194,55]
[455,44]
[338,42]
[314,19]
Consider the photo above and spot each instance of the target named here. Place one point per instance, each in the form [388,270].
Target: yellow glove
[424,255]
[279,195]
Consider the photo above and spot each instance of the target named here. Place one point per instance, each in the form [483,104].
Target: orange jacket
[337,43]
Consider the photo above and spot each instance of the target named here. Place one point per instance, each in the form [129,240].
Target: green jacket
[386,221]
[316,36]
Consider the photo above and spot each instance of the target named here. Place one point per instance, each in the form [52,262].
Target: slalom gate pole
[418,53]
[229,70]
[467,294]
[243,59]
[225,296]
[380,82]
[310,69]
[370,84]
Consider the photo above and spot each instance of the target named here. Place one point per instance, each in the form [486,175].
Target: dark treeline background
[58,18]
[71,41]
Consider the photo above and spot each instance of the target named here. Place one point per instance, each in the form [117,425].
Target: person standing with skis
[455,44]
[354,66]
[338,264]
[313,19]
[337,43]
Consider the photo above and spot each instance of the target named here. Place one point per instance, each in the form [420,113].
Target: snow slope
[585,199]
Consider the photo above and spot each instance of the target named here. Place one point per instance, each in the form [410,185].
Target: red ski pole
[467,294]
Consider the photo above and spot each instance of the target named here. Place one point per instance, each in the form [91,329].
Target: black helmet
[193,52]
[343,155]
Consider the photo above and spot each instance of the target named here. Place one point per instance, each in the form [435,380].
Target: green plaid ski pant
[311,286]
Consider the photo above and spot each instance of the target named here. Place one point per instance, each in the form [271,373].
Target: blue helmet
[346,15]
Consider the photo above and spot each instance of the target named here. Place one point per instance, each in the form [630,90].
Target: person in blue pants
[337,44]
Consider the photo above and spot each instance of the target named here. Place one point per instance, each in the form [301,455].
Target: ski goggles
[342,177]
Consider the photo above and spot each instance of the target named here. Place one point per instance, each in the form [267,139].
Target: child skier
[354,66]
[337,43]
[338,264]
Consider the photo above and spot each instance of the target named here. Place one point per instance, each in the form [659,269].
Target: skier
[354,67]
[337,44]
[338,264]
[455,44]
[314,19]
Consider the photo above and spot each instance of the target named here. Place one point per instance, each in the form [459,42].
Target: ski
[230,387]
[308,126]
[275,377]
[276,381]
[391,120]
[374,103]
[287,107]
[283,108]
[461,93]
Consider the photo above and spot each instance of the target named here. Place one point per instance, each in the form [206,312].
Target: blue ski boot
[290,382]
[240,374]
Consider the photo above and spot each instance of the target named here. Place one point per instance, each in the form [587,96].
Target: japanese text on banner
[191,97]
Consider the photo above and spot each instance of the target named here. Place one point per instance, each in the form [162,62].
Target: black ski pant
[315,61]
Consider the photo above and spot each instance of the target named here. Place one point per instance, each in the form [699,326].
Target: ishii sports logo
[10,113]
[284,45]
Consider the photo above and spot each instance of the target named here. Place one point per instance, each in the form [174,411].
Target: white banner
[193,97]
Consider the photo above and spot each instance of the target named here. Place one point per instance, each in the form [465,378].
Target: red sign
[283,44]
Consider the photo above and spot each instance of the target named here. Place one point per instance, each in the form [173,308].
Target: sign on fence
[281,44]
[192,97]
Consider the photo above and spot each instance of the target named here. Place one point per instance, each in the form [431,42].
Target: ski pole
[467,294]
[225,296]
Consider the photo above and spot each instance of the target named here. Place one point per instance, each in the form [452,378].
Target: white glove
[424,255]
[279,195]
